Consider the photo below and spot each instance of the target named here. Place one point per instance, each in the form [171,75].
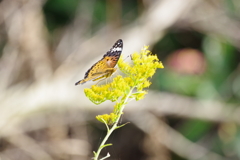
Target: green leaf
[105,145]
[122,125]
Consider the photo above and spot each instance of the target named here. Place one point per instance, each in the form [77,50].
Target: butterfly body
[104,68]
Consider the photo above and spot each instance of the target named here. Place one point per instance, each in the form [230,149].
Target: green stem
[113,127]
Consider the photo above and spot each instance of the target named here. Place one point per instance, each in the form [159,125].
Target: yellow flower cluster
[111,91]
[143,67]
[107,118]
[111,118]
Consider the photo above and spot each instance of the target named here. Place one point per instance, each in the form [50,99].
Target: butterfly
[104,68]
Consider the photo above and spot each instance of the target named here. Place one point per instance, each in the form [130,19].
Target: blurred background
[191,112]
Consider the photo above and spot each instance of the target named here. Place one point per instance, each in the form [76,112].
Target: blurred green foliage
[221,63]
[220,81]
[59,12]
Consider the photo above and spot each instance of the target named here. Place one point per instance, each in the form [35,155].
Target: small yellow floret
[106,118]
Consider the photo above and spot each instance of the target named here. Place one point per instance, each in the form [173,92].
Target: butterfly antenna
[126,57]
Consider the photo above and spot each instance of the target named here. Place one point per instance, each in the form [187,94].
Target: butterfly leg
[108,71]
[101,80]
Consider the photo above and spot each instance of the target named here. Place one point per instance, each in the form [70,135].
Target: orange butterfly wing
[104,67]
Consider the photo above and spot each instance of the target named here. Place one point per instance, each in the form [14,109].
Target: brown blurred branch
[170,138]
[150,27]
[30,146]
[26,48]
[181,106]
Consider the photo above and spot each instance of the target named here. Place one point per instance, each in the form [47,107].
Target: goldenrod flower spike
[123,89]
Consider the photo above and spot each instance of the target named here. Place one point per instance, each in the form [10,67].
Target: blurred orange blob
[187,61]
